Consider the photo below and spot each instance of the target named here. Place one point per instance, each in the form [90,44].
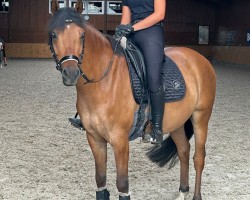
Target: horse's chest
[95,123]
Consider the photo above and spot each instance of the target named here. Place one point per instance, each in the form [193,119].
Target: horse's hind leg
[183,150]
[99,150]
[200,120]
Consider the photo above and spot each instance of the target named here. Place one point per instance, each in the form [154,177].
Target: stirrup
[157,137]
[77,123]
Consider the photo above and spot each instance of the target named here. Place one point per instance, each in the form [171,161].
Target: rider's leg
[5,61]
[4,57]
[151,43]
[157,102]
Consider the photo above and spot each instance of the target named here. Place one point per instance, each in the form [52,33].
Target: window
[4,6]
[95,7]
[90,7]
[114,7]
[248,38]
[203,34]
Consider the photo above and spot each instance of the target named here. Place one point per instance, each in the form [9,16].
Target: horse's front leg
[99,150]
[121,150]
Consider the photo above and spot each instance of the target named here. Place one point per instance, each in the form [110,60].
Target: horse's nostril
[64,72]
[78,73]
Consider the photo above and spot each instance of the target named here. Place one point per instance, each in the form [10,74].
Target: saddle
[173,81]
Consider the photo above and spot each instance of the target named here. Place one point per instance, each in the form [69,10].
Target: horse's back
[192,62]
[198,74]
[186,55]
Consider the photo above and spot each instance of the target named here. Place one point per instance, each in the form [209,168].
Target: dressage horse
[106,104]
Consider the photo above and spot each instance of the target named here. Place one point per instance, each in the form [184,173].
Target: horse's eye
[52,35]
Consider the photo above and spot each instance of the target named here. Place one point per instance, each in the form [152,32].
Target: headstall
[78,59]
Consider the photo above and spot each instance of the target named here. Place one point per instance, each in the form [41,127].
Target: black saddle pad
[174,84]
[175,87]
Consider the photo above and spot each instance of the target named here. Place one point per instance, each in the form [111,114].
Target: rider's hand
[123,30]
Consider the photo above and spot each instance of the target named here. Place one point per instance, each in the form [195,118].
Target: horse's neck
[97,53]
[99,61]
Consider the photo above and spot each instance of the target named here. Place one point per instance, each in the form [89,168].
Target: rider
[142,21]
[2,49]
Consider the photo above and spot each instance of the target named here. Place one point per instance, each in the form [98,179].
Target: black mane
[62,17]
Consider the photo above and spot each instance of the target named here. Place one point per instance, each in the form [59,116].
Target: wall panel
[25,27]
[28,50]
[4,25]
[28,21]
[233,18]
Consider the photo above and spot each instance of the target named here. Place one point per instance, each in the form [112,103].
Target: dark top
[2,46]
[140,8]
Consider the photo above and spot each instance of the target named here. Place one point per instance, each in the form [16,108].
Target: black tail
[167,152]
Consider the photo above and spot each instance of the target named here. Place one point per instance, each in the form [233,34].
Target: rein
[79,60]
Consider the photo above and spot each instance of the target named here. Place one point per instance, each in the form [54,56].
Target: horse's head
[66,40]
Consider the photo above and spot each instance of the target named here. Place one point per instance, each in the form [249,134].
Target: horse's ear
[79,6]
[54,6]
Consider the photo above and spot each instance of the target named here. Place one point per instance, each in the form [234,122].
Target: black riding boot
[157,102]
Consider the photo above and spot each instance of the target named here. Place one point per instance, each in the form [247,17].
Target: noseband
[68,58]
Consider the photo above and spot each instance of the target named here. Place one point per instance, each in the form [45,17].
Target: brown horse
[106,105]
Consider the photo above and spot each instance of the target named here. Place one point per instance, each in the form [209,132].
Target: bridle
[67,57]
[78,59]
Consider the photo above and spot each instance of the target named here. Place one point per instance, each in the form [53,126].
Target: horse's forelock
[63,17]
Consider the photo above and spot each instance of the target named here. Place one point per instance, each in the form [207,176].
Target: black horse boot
[157,101]
[102,195]
[124,197]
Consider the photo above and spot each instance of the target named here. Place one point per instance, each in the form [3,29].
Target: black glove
[123,30]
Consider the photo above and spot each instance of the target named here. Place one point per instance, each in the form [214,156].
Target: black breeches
[4,55]
[151,43]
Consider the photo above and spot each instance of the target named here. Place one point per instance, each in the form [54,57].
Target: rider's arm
[157,16]
[126,15]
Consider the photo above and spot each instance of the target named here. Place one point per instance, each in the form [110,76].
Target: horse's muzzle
[70,75]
